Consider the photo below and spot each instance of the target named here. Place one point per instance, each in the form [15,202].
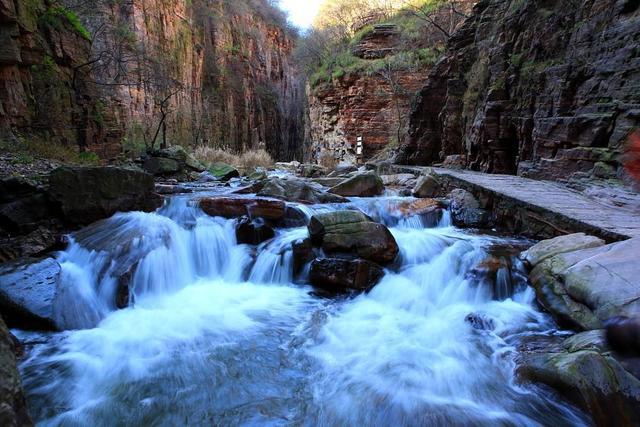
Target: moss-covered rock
[223,171]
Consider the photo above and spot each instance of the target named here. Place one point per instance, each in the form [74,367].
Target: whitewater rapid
[224,334]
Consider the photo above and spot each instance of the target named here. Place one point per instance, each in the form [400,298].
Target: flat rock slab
[565,210]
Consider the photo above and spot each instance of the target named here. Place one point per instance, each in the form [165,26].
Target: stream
[222,334]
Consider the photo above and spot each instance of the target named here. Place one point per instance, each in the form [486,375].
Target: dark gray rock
[253,231]
[294,189]
[337,275]
[13,408]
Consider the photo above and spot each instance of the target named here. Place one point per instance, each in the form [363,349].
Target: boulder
[397,180]
[426,186]
[294,189]
[22,205]
[338,275]
[584,371]
[13,407]
[87,194]
[287,166]
[310,170]
[230,207]
[328,182]
[582,289]
[365,184]
[558,245]
[27,292]
[352,232]
[623,334]
[223,171]
[161,166]
[253,231]
[466,210]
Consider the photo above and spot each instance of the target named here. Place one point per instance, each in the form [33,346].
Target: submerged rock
[87,194]
[343,275]
[353,232]
[582,289]
[27,292]
[13,407]
[294,189]
[365,184]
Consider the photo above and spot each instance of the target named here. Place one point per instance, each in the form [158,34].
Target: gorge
[412,213]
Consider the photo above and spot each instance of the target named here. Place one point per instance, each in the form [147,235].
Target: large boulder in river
[582,289]
[426,186]
[87,194]
[13,408]
[253,231]
[584,370]
[338,275]
[170,161]
[365,184]
[27,292]
[466,210]
[558,245]
[233,207]
[294,189]
[353,232]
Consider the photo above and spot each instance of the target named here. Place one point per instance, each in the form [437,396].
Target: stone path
[564,209]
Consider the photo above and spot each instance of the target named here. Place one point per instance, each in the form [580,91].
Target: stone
[466,210]
[561,244]
[352,232]
[230,207]
[310,170]
[294,189]
[27,292]
[587,375]
[365,184]
[303,253]
[223,171]
[397,180]
[623,334]
[583,288]
[253,231]
[13,407]
[87,194]
[338,275]
[480,321]
[160,166]
[22,205]
[426,186]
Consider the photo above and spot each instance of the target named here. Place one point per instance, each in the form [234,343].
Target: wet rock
[230,207]
[353,232]
[584,372]
[13,408]
[303,253]
[623,334]
[253,231]
[365,184]
[407,208]
[426,186]
[294,189]
[466,210]
[581,289]
[328,182]
[398,180]
[293,217]
[87,194]
[341,275]
[480,321]
[27,292]
[223,171]
[171,189]
[561,244]
[37,242]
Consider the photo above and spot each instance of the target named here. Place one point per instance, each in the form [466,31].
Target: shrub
[247,161]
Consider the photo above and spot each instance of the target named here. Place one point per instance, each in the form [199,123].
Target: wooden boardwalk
[562,208]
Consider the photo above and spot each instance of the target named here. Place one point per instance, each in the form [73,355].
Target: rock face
[366,184]
[539,89]
[584,288]
[352,232]
[13,408]
[86,194]
[56,83]
[337,275]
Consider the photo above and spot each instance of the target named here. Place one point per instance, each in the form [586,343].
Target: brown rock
[230,207]
[342,275]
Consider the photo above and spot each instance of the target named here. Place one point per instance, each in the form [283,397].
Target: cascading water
[218,333]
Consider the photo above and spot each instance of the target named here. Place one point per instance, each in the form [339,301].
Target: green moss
[57,16]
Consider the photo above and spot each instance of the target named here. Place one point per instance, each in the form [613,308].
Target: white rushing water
[220,335]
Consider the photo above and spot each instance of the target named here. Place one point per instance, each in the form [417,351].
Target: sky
[301,12]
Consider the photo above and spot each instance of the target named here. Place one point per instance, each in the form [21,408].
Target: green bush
[57,15]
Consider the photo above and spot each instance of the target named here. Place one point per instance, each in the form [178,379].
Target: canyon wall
[100,75]
[542,88]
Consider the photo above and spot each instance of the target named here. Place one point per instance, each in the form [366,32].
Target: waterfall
[216,332]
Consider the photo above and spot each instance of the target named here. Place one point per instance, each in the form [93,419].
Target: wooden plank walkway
[563,208]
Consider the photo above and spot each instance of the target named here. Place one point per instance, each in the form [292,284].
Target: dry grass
[247,161]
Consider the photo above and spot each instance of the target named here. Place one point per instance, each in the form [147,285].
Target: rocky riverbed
[363,285]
